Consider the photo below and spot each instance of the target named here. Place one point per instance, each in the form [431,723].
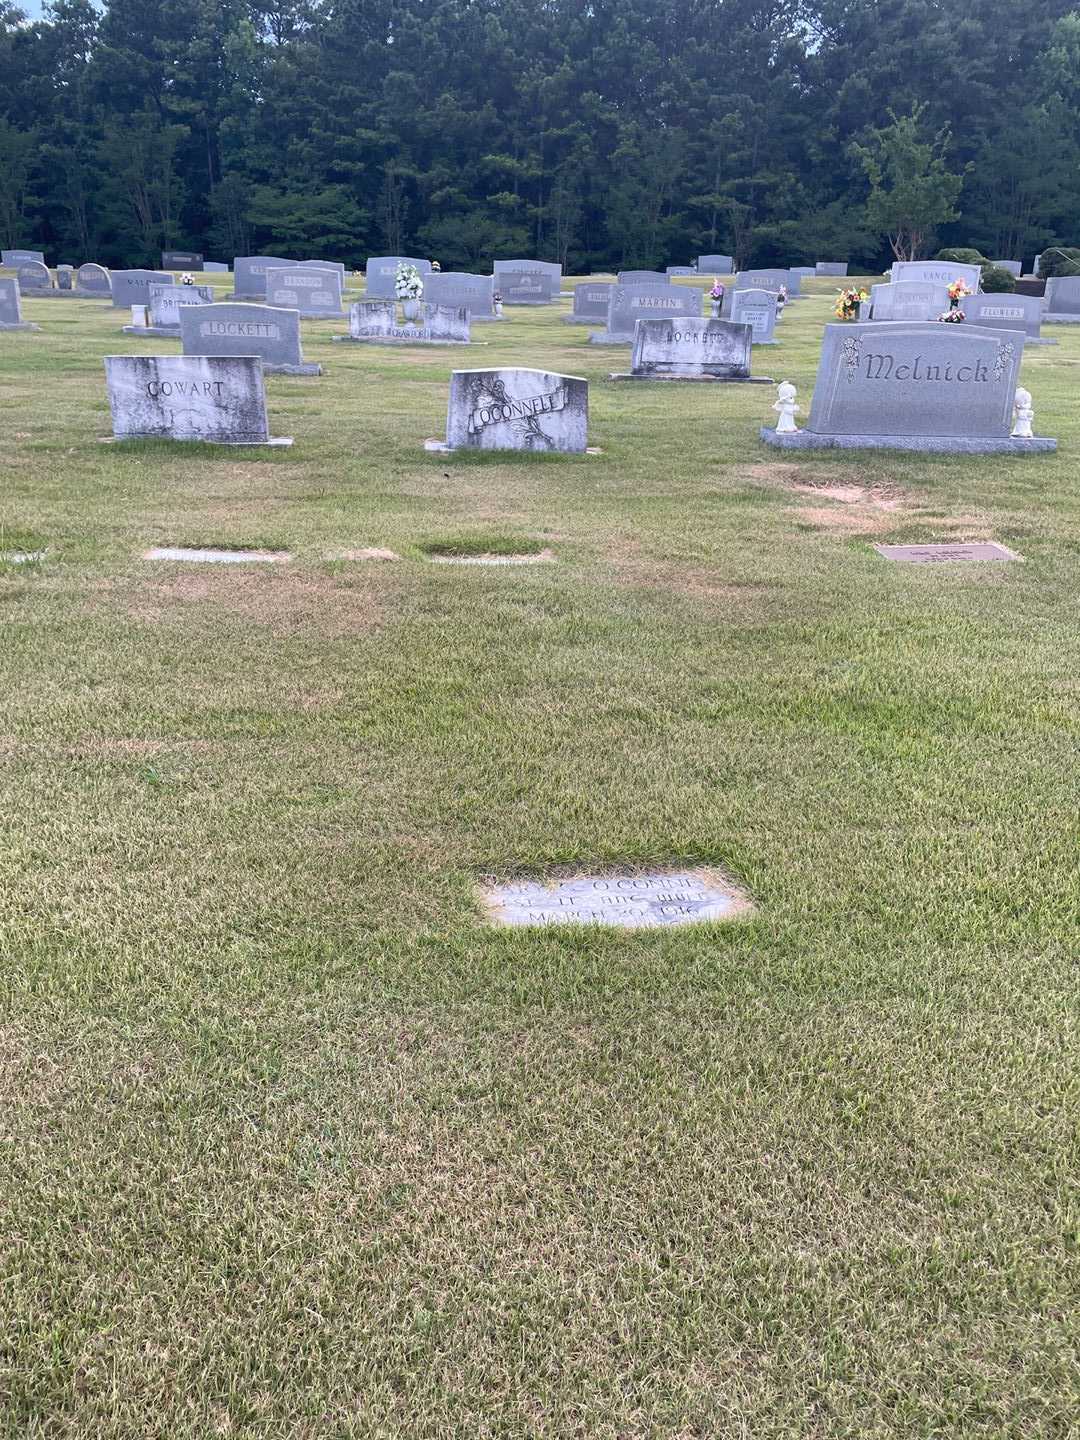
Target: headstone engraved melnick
[93,281]
[516,409]
[315,293]
[936,272]
[164,307]
[627,304]
[234,328]
[907,385]
[214,399]
[756,308]
[1005,311]
[377,322]
[15,258]
[692,349]
[181,260]
[715,265]
[381,271]
[10,307]
[831,267]
[132,287]
[458,288]
[528,282]
[908,300]
[33,276]
[626,901]
[249,275]
[590,303]
[1061,303]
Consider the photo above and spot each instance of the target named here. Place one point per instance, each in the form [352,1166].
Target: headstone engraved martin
[831,267]
[10,307]
[514,409]
[15,258]
[906,385]
[249,275]
[33,275]
[692,348]
[630,902]
[590,303]
[214,399]
[166,303]
[715,264]
[937,272]
[457,289]
[627,304]
[946,554]
[181,260]
[1061,303]
[232,328]
[528,282]
[908,300]
[316,294]
[1007,312]
[132,287]
[93,279]
[756,308]
[378,322]
[381,271]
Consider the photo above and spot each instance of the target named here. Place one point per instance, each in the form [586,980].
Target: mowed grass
[296,1146]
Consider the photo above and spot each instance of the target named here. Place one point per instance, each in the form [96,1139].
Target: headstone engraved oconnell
[377,322]
[1007,312]
[714,264]
[937,272]
[93,279]
[692,349]
[630,902]
[908,300]
[166,302]
[249,275]
[232,328]
[528,282]
[934,554]
[756,308]
[627,304]
[215,399]
[14,258]
[590,303]
[315,293]
[1061,303]
[132,287]
[381,270]
[517,410]
[33,275]
[458,288]
[181,260]
[906,385]
[10,308]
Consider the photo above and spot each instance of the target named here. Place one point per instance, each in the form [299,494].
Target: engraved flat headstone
[458,289]
[232,328]
[512,409]
[214,399]
[315,293]
[33,275]
[692,348]
[528,282]
[945,554]
[163,311]
[590,303]
[93,279]
[181,260]
[11,308]
[936,272]
[379,322]
[627,304]
[630,902]
[216,557]
[381,270]
[908,300]
[1007,312]
[831,267]
[756,308]
[906,385]
[15,258]
[1061,303]
[715,264]
[132,287]
[249,275]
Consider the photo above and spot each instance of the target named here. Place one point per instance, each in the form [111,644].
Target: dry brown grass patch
[284,599]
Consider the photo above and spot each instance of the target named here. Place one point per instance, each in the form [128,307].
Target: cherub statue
[1024,415]
[786,407]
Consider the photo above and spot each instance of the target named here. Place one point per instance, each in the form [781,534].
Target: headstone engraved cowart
[10,307]
[627,304]
[232,328]
[212,399]
[379,322]
[512,409]
[381,270]
[590,303]
[756,308]
[693,349]
[132,287]
[315,293]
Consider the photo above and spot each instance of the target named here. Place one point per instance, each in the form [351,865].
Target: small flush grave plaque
[629,901]
[202,556]
[940,554]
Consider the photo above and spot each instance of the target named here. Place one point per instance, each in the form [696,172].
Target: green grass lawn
[295,1145]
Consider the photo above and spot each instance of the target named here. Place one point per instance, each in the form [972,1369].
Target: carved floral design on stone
[850,350]
[1003,358]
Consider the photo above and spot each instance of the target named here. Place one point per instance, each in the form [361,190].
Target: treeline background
[601,134]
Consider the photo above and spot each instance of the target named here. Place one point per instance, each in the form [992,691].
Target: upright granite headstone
[642,277]
[627,304]
[914,386]
[1014,267]
[456,289]
[249,275]
[334,265]
[760,280]
[804,272]
[590,303]
[528,282]
[33,275]
[181,260]
[1007,312]
[215,399]
[936,272]
[377,322]
[692,349]
[908,300]
[512,409]
[215,267]
[831,267]
[15,258]
[314,292]
[237,329]
[165,304]
[756,308]
[1061,303]
[381,270]
[715,264]
[681,272]
[10,308]
[132,287]
[93,279]
[65,278]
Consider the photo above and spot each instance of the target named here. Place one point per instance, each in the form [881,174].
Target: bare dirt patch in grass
[285,601]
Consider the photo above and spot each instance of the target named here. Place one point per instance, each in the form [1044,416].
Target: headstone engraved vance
[1005,311]
[93,279]
[166,303]
[316,294]
[528,282]
[627,304]
[10,307]
[907,385]
[458,288]
[715,264]
[627,901]
[181,260]
[377,322]
[937,272]
[513,409]
[756,308]
[232,328]
[15,258]
[249,275]
[214,399]
[947,553]
[908,300]
[381,270]
[132,287]
[1061,303]
[590,303]
[692,348]
[33,275]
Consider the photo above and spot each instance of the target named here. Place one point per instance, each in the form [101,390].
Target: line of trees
[598,133]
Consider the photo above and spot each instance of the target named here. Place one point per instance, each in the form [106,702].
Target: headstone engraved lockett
[212,399]
[235,329]
[692,348]
[377,322]
[629,902]
[10,308]
[515,409]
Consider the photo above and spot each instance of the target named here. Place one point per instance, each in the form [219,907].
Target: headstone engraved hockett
[381,270]
[756,308]
[15,258]
[1007,312]
[214,399]
[528,282]
[642,277]
[163,311]
[715,265]
[232,328]
[458,288]
[692,348]
[906,385]
[378,322]
[10,307]
[908,300]
[951,553]
[627,901]
[512,409]
[937,272]
[590,303]
[181,260]
[1014,267]
[831,267]
[1061,303]
[315,293]
[627,304]
[93,280]
[132,287]
[249,275]
[33,275]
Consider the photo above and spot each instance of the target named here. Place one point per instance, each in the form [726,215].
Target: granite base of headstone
[383,322]
[232,328]
[517,409]
[11,307]
[215,400]
[905,385]
[695,350]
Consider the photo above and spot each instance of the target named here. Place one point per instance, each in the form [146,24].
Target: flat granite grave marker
[590,303]
[15,258]
[517,409]
[33,275]
[132,287]
[528,282]
[627,304]
[1007,312]
[458,288]
[1061,303]
[181,260]
[219,400]
[381,270]
[942,554]
[11,308]
[906,385]
[315,293]
[163,310]
[376,322]
[628,901]
[249,275]
[91,279]
[692,348]
[908,300]
[232,328]
[715,264]
[201,556]
[756,308]
[937,272]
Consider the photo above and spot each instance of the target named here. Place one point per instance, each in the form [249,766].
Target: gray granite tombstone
[215,267]
[181,260]
[831,267]
[936,272]
[914,386]
[1061,303]
[528,282]
[756,308]
[164,306]
[33,275]
[380,271]
[629,303]
[908,300]
[234,328]
[10,307]
[1014,267]
[336,266]
[682,272]
[249,275]
[132,287]
[692,348]
[642,277]
[770,280]
[1007,312]
[65,278]
[314,292]
[590,303]
[512,409]
[715,265]
[804,272]
[91,279]
[457,288]
[15,258]
[377,322]
[220,400]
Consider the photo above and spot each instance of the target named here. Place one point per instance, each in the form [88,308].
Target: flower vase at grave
[716,304]
[412,310]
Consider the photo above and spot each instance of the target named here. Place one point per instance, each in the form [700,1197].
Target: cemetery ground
[297,1145]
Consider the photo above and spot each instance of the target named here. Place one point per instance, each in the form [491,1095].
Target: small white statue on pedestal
[1024,415]
[787,409]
